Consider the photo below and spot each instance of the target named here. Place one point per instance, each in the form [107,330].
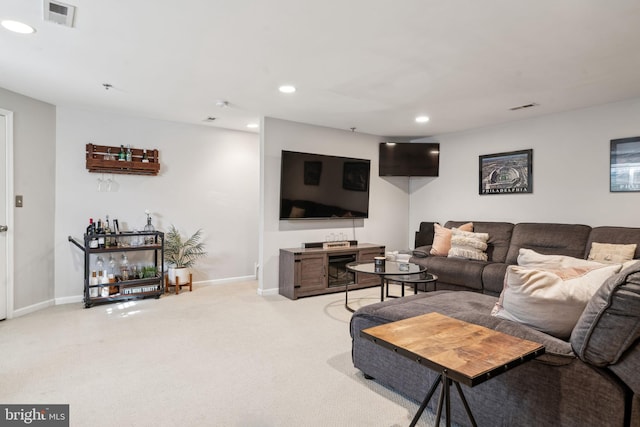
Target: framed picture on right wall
[625,165]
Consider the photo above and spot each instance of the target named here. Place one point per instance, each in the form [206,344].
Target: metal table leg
[402,284]
[425,402]
[346,294]
[444,400]
[466,405]
[346,298]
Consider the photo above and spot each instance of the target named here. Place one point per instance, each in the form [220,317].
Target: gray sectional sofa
[591,379]
[505,241]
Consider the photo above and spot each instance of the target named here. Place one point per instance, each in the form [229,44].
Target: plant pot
[181,273]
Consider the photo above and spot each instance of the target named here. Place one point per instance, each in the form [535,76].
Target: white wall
[216,174]
[388,200]
[34,124]
[570,171]
[209,179]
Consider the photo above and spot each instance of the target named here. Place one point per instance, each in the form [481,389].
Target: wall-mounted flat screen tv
[409,159]
[316,186]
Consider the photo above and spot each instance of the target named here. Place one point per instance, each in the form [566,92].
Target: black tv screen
[409,159]
[323,187]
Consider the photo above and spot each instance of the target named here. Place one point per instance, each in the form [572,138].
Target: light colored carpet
[218,356]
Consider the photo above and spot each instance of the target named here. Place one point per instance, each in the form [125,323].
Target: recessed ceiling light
[422,119]
[252,125]
[18,27]
[287,89]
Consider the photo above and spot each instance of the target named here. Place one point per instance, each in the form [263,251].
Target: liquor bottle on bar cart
[107,232]
[148,240]
[100,232]
[91,231]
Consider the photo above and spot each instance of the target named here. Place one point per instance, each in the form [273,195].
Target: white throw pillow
[468,245]
[533,259]
[550,292]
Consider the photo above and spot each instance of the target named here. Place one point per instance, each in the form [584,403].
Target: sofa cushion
[468,245]
[548,238]
[618,235]
[493,278]
[610,323]
[468,306]
[442,238]
[611,253]
[627,368]
[549,292]
[424,236]
[463,273]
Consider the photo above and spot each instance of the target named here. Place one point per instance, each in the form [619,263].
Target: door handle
[3,228]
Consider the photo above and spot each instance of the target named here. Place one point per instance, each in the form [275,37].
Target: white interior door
[6,217]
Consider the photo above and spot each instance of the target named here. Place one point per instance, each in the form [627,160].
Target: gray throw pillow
[422,251]
[610,323]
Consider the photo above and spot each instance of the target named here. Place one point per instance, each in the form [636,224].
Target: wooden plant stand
[178,285]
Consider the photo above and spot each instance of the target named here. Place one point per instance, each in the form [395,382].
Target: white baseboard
[267,292]
[69,300]
[261,292]
[227,280]
[32,308]
[80,298]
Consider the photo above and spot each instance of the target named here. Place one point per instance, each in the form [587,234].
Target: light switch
[18,201]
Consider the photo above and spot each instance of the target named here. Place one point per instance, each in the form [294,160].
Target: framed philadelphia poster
[506,173]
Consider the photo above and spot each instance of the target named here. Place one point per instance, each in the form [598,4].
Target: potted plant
[181,254]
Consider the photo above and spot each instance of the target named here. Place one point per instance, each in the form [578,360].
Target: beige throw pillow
[468,245]
[610,253]
[550,293]
[442,238]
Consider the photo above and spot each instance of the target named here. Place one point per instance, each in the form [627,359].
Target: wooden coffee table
[461,352]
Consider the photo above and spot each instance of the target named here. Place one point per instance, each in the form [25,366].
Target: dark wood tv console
[316,271]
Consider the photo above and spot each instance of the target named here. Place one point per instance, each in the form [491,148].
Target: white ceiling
[369,64]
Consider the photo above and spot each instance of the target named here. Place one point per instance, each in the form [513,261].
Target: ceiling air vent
[58,12]
[522,107]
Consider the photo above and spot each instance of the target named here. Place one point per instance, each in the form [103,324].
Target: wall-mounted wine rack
[104,159]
